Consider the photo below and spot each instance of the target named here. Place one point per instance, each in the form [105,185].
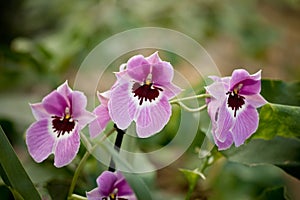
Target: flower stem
[77,172]
[118,143]
[190,98]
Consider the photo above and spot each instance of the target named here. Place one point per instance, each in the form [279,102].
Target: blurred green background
[42,43]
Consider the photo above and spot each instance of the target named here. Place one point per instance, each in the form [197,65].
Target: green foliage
[12,172]
[278,120]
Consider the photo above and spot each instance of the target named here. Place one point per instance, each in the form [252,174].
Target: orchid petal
[138,68]
[40,140]
[162,72]
[106,182]
[99,124]
[55,104]
[67,148]
[118,106]
[38,111]
[245,125]
[159,115]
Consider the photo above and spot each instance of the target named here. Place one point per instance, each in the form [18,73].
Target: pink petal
[124,190]
[104,97]
[153,58]
[40,140]
[162,73]
[226,143]
[55,104]
[39,111]
[224,122]
[98,125]
[94,194]
[245,125]
[119,105]
[79,113]
[217,90]
[255,100]
[138,68]
[144,119]
[159,115]
[171,90]
[250,83]
[106,182]
[67,148]
[64,89]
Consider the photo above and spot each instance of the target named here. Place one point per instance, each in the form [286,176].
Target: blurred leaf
[13,172]
[280,151]
[276,193]
[280,92]
[278,120]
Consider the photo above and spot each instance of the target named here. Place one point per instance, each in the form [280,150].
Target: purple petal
[138,68]
[224,121]
[250,83]
[162,73]
[106,182]
[94,194]
[245,125]
[226,143]
[217,90]
[64,89]
[124,189]
[255,100]
[104,97]
[144,118]
[98,125]
[159,115]
[79,112]
[39,111]
[67,148]
[55,104]
[154,58]
[171,90]
[40,140]
[119,105]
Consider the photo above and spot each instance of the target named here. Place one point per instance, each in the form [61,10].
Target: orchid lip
[64,124]
[145,92]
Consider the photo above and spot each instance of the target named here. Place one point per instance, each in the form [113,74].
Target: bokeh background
[43,43]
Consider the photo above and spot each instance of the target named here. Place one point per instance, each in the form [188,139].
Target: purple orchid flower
[142,94]
[111,185]
[232,107]
[60,116]
[101,111]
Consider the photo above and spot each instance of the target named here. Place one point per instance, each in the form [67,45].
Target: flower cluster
[141,94]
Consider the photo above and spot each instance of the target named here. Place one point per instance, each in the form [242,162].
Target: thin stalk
[191,109]
[190,98]
[77,172]
[118,143]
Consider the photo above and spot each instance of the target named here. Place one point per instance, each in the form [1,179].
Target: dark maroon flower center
[235,101]
[145,92]
[61,125]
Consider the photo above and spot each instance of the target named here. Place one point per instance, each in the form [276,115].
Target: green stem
[77,172]
[190,98]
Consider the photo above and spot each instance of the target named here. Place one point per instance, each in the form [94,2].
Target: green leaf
[280,151]
[281,92]
[13,173]
[278,120]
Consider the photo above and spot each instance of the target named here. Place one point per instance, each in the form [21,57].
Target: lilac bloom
[232,107]
[101,111]
[142,94]
[111,186]
[60,116]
